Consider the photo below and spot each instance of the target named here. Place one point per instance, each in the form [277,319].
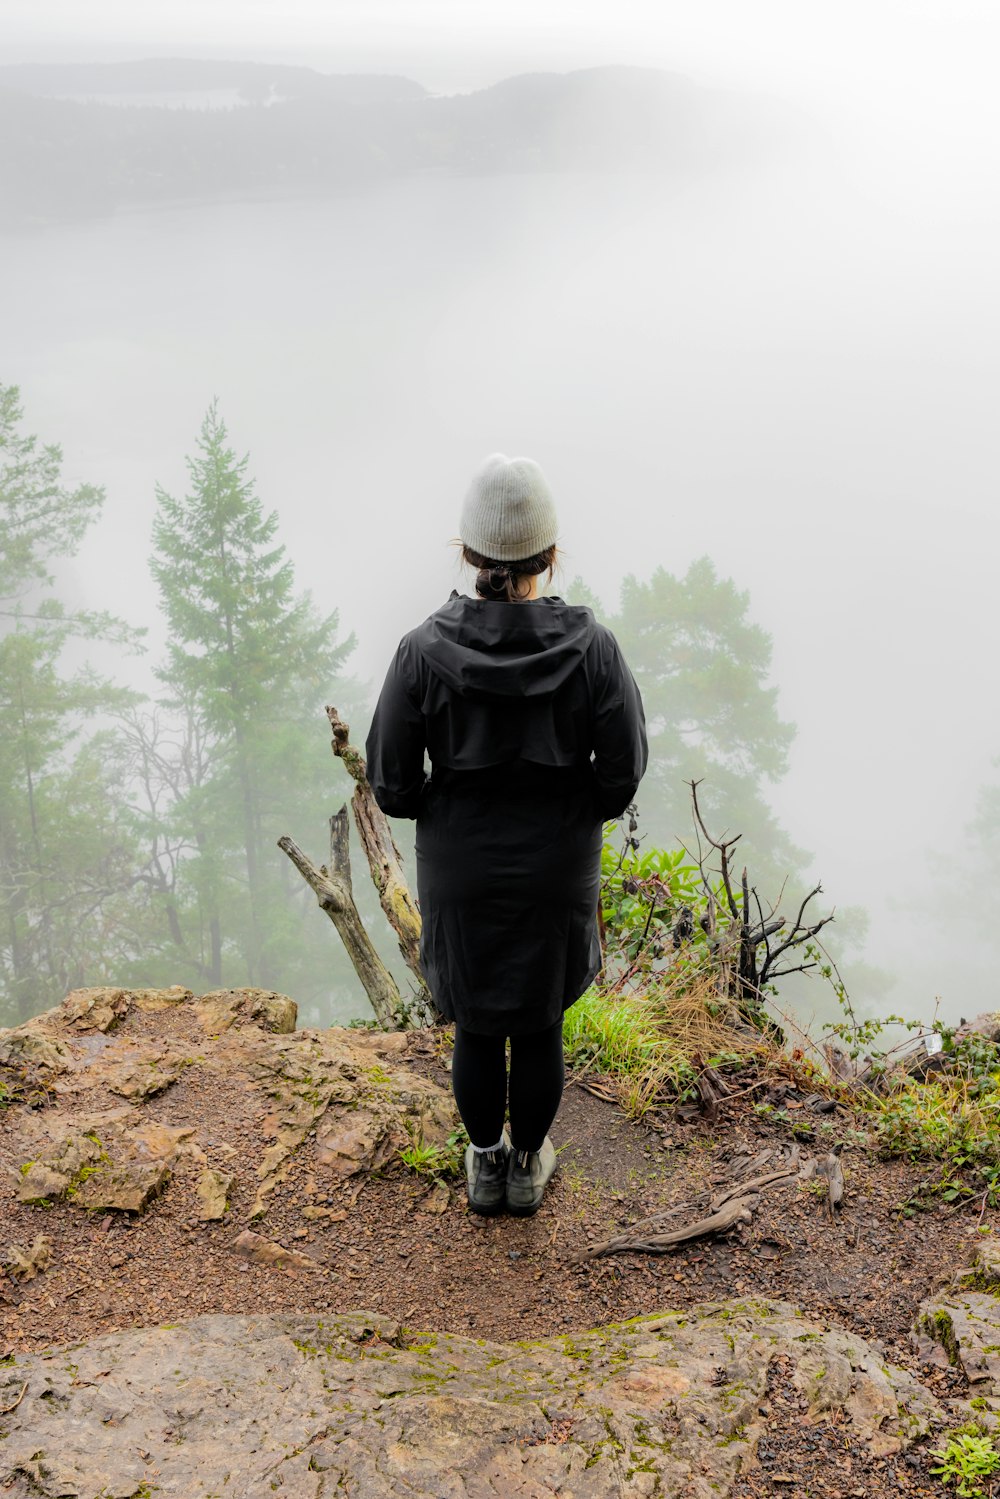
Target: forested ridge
[70,154]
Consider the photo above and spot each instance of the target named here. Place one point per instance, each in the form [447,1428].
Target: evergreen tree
[249,665]
[702,667]
[66,842]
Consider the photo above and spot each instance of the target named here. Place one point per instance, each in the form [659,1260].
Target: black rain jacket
[483,684]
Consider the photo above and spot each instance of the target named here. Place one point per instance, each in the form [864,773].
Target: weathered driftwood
[383,858]
[724,1210]
[711,1088]
[335,895]
[755,1185]
[638,1240]
[831,1171]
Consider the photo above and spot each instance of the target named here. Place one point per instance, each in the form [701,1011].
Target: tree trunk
[334,893]
[257,964]
[383,857]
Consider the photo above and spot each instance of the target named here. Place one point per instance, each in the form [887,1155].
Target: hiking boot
[528,1172]
[486,1178]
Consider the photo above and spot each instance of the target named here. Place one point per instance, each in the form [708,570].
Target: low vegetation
[673,1021]
[439,1162]
[968,1458]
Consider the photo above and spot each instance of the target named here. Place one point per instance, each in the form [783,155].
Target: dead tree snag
[335,894]
[334,891]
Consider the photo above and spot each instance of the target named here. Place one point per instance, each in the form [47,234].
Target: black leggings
[479,1079]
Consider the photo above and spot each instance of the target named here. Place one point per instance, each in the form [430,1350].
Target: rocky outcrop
[360,1406]
[156,1146]
[92,1071]
[960,1328]
[101,1160]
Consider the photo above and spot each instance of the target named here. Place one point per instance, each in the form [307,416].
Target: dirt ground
[402,1250]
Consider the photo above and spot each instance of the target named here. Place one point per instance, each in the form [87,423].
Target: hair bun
[494,582]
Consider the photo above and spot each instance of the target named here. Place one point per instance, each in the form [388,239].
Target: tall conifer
[253,662]
[67,849]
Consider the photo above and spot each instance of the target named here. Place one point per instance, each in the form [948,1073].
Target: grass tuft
[645,1042]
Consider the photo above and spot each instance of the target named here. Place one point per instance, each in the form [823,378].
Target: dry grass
[698,1023]
[650,1044]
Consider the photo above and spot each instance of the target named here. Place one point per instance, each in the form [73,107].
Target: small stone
[25,1264]
[436,1200]
[42,1183]
[213,1190]
[263,1251]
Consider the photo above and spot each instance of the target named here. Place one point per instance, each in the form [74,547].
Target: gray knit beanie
[508,513]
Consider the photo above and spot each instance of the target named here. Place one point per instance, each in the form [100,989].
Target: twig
[6,1409]
[740,1210]
[756,1185]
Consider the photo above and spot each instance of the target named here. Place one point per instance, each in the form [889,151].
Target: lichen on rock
[960,1328]
[359,1405]
[348,1091]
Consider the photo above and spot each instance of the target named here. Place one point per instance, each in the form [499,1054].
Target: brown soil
[508,1278]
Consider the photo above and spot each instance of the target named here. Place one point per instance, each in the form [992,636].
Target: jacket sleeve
[620,747]
[394,748]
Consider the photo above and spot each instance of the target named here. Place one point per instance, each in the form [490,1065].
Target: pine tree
[66,843]
[249,663]
[702,667]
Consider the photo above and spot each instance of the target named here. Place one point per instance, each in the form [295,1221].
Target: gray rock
[960,1327]
[358,1407]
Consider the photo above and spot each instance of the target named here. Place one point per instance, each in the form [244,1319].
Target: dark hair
[502,580]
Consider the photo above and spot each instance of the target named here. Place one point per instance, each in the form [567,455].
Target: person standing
[535,732]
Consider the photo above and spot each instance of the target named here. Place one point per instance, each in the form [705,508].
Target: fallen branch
[757,1185]
[727,1208]
[740,1210]
[383,857]
[335,896]
[6,1409]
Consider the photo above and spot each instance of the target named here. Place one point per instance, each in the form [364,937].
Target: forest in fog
[77,158]
[139,831]
[763,394]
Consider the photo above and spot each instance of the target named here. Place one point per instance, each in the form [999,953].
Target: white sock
[487,1149]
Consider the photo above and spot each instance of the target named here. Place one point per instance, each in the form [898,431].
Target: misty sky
[798,373]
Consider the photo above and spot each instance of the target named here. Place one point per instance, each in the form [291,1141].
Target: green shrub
[964,1461]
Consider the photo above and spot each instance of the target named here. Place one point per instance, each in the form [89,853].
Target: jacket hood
[482,648]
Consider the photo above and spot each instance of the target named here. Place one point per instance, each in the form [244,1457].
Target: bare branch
[335,896]
[384,861]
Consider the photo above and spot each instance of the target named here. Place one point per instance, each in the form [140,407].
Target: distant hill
[297,132]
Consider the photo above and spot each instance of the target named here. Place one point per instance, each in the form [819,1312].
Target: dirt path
[393,1243]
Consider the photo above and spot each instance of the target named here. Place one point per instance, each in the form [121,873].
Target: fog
[786,357]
